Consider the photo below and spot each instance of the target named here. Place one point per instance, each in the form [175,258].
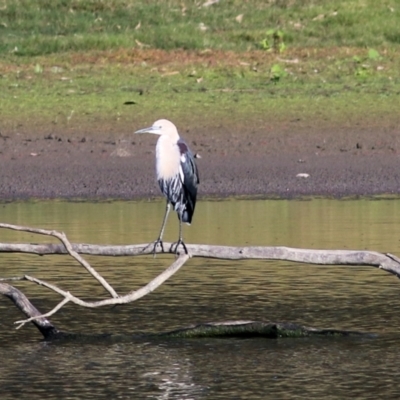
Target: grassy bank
[83,62]
[51,26]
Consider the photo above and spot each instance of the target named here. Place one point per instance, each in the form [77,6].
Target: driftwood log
[225,329]
[386,262]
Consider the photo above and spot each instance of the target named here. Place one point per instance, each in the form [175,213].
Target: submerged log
[249,329]
[224,329]
[46,328]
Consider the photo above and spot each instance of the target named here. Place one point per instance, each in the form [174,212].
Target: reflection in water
[312,223]
[207,290]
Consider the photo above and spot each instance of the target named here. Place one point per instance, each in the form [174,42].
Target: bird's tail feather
[185,212]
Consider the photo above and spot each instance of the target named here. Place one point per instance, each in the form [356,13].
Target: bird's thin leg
[180,240]
[159,240]
[167,210]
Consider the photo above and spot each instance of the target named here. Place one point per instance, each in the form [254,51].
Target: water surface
[356,298]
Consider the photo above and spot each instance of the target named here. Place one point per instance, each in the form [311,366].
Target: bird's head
[162,127]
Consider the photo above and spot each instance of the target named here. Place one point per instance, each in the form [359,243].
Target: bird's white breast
[167,158]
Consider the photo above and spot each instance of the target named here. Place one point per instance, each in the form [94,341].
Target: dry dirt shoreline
[341,161]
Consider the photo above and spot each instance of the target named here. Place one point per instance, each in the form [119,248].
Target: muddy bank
[252,160]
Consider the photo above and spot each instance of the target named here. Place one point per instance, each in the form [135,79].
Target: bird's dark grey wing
[190,180]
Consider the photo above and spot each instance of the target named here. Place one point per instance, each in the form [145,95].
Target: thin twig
[12,278]
[21,323]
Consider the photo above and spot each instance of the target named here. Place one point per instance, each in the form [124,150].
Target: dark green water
[364,299]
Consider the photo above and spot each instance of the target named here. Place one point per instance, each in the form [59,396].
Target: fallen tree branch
[128,298]
[46,328]
[387,262]
[69,249]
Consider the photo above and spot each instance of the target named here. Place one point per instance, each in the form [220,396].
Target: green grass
[69,95]
[38,27]
[80,60]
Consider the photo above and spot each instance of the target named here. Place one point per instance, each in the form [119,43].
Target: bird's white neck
[167,156]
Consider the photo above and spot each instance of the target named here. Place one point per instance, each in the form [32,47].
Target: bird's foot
[174,246]
[155,245]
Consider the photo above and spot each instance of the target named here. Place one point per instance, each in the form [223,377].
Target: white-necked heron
[177,175]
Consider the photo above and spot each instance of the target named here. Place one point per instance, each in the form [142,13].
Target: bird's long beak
[156,130]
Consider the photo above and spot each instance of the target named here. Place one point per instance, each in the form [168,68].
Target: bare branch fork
[387,262]
[68,297]
[68,247]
